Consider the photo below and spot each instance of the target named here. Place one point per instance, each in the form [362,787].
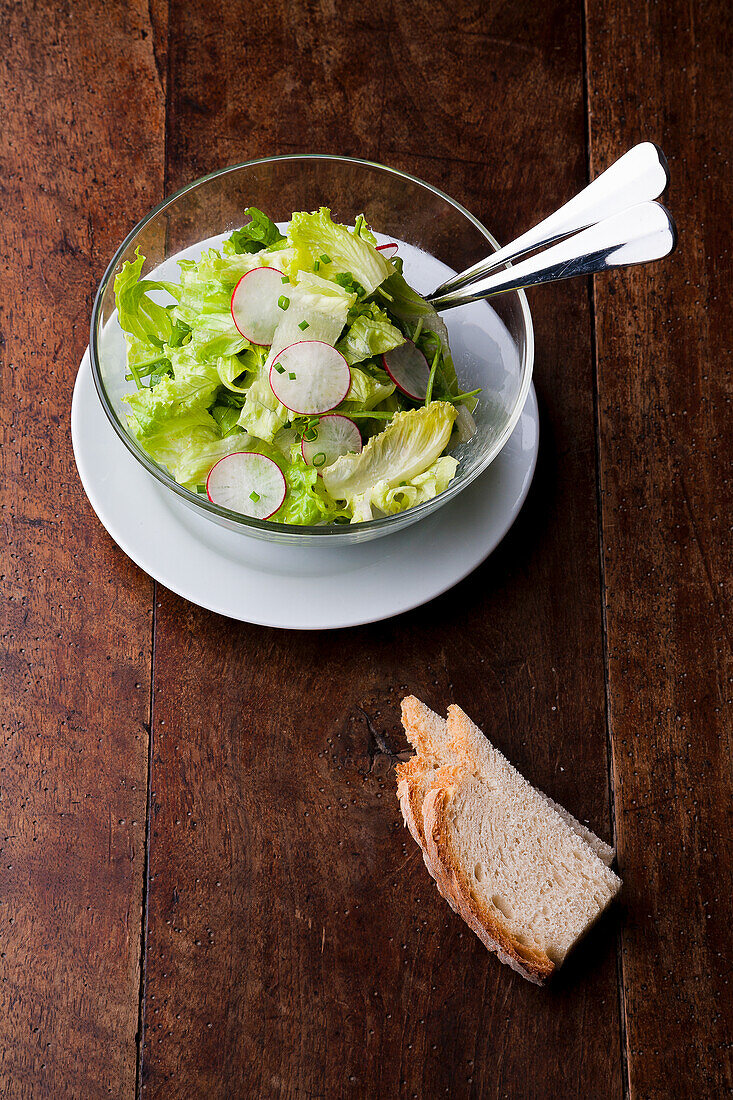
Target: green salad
[295,377]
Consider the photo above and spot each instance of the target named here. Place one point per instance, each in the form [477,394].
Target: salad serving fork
[613,222]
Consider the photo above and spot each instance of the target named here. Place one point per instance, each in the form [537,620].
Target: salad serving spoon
[611,223]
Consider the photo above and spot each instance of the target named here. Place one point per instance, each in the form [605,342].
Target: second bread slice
[525,882]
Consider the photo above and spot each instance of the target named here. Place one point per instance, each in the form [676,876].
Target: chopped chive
[285,279]
[431,379]
[310,435]
[283,302]
[463,396]
[325,259]
[279,368]
[316,265]
[418,330]
[303,326]
[200,488]
[319,460]
[254,496]
[291,376]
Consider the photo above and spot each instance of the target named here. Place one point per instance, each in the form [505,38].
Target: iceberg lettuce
[257,234]
[371,333]
[207,389]
[367,390]
[238,371]
[190,390]
[408,446]
[388,501]
[189,445]
[138,313]
[262,414]
[319,240]
[214,335]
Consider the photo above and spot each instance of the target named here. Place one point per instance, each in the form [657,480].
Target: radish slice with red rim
[388,250]
[257,304]
[334,435]
[310,377]
[247,482]
[408,368]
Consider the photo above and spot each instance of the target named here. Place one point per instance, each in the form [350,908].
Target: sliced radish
[310,377]
[408,368]
[389,250]
[336,435]
[247,482]
[255,307]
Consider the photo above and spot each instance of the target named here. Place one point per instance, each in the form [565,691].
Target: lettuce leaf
[371,333]
[301,504]
[214,335]
[407,494]
[408,446]
[262,414]
[138,313]
[367,390]
[189,445]
[226,417]
[148,325]
[258,233]
[319,240]
[247,363]
[191,388]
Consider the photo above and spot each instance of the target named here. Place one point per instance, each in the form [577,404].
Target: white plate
[308,589]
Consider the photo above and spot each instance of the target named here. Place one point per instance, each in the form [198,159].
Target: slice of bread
[524,874]
[459,740]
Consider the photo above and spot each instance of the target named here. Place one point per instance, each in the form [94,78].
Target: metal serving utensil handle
[637,176]
[645,232]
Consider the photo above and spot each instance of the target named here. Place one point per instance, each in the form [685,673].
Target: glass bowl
[492,345]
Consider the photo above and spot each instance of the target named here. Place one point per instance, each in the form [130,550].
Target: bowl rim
[291,530]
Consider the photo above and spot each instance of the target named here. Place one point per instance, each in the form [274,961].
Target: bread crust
[530,962]
[411,788]
[417,718]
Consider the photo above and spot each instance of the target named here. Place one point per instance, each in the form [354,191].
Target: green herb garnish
[431,379]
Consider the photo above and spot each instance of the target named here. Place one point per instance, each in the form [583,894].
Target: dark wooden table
[205,886]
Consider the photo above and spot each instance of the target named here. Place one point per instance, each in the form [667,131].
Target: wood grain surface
[206,889]
[664,384]
[296,946]
[76,632]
